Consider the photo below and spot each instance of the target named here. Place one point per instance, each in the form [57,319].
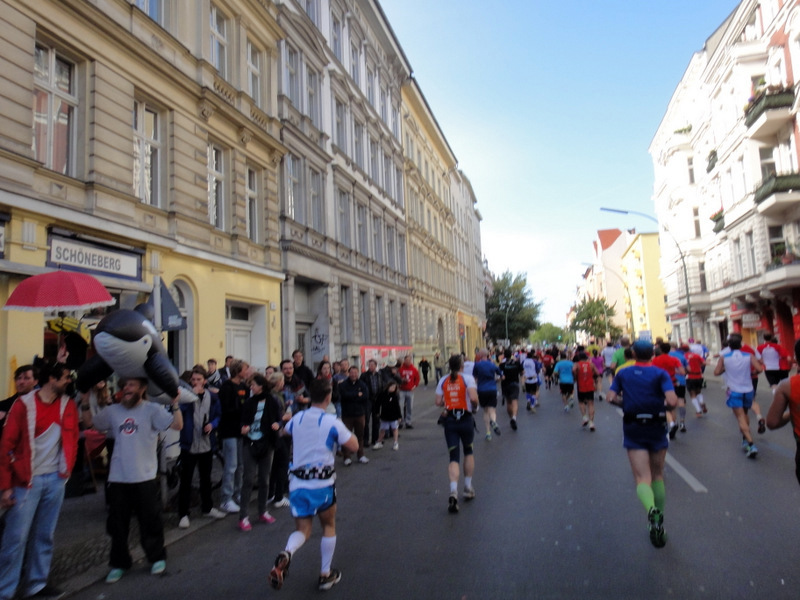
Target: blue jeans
[30,526]
[407,399]
[232,477]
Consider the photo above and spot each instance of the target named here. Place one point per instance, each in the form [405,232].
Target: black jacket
[273,411]
[354,396]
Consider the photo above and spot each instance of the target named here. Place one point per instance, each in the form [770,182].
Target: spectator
[354,396]
[24,382]
[410,378]
[232,394]
[305,374]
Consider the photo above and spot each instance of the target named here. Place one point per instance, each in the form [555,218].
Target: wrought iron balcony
[767,101]
[775,184]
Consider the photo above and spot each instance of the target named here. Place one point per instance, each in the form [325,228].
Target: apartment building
[727,181]
[639,266]
[145,133]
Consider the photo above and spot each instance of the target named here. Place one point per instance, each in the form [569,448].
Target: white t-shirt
[315,437]
[135,434]
[608,355]
[529,366]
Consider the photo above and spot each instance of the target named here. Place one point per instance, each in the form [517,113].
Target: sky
[550,107]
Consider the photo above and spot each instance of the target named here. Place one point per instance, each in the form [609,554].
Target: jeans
[232,477]
[251,467]
[407,400]
[203,463]
[28,535]
[144,500]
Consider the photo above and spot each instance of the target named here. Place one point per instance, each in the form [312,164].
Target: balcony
[776,193]
[719,224]
[768,113]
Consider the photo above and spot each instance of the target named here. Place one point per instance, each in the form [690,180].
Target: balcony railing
[775,184]
[767,101]
[719,224]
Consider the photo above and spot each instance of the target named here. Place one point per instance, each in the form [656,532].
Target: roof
[607,237]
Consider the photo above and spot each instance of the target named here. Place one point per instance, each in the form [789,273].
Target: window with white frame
[153,9]
[344,218]
[219,40]
[395,121]
[361,229]
[387,174]
[340,128]
[336,37]
[55,106]
[254,72]
[251,216]
[216,185]
[377,239]
[312,96]
[311,9]
[738,259]
[373,160]
[384,116]
[294,195]
[355,66]
[390,250]
[392,322]
[315,197]
[751,252]
[398,182]
[293,75]
[401,254]
[404,323]
[370,86]
[345,319]
[767,158]
[146,153]
[358,144]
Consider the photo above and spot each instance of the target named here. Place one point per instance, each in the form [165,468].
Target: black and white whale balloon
[127,343]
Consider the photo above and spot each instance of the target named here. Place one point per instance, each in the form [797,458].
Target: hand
[245,429]
[207,428]
[7,499]
[276,426]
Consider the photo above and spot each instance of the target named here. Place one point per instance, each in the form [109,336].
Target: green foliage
[594,317]
[547,333]
[511,296]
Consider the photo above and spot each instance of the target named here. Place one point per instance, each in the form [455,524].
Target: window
[54,110]
[777,243]
[317,205]
[216,186]
[696,219]
[767,157]
[401,254]
[392,322]
[146,153]
[358,144]
[387,174]
[341,124]
[364,306]
[344,218]
[371,86]
[254,73]
[153,9]
[336,37]
[738,259]
[404,323]
[294,196]
[361,229]
[344,315]
[373,160]
[311,10]
[380,319]
[377,239]
[219,41]
[384,116]
[398,182]
[312,94]
[251,216]
[395,121]
[355,59]
[751,251]
[390,253]
[293,76]
[690,165]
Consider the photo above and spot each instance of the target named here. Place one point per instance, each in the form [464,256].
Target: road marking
[685,475]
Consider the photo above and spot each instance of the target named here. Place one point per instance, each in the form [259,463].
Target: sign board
[93,258]
[383,355]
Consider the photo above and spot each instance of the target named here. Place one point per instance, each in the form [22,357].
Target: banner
[383,355]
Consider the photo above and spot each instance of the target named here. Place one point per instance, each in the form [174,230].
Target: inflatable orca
[129,345]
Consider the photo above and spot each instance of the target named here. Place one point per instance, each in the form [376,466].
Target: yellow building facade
[645,292]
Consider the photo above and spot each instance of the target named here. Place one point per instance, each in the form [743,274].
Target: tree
[548,334]
[593,316]
[512,300]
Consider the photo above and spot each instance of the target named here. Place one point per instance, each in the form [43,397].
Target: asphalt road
[556,516]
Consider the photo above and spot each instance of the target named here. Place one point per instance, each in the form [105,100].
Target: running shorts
[511,391]
[566,388]
[694,385]
[740,400]
[651,437]
[586,396]
[487,399]
[459,432]
[307,503]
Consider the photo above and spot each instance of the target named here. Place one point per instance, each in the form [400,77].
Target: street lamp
[680,253]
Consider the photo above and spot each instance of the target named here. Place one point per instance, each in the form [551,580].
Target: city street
[556,516]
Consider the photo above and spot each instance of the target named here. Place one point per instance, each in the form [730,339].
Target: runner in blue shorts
[645,392]
[316,436]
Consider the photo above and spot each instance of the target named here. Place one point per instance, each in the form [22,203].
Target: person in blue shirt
[645,393]
[680,388]
[566,382]
[486,373]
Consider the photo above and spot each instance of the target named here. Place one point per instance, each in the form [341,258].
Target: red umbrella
[59,291]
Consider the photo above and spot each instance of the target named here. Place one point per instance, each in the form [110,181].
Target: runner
[673,367]
[776,359]
[531,368]
[584,372]
[786,407]
[486,374]
[608,358]
[312,490]
[566,381]
[762,424]
[458,394]
[680,385]
[619,354]
[509,384]
[694,380]
[645,389]
[549,363]
[737,366]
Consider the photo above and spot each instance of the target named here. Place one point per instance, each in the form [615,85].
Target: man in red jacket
[410,376]
[37,453]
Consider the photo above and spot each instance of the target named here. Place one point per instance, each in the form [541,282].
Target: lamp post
[680,253]
[508,342]
[627,293]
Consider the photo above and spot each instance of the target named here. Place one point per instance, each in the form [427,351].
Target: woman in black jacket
[261,416]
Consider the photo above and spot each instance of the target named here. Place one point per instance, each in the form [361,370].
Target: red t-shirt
[694,362]
[669,363]
[46,415]
[585,376]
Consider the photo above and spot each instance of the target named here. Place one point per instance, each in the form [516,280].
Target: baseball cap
[642,347]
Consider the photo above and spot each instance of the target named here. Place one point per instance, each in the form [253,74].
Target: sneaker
[266,518]
[673,429]
[745,445]
[528,407]
[682,427]
[280,570]
[514,424]
[584,421]
[566,408]
[244,525]
[752,451]
[469,494]
[48,591]
[348,462]
[655,525]
[571,404]
[230,507]
[377,445]
[215,514]
[395,446]
[158,567]
[114,575]
[183,523]
[495,427]
[601,397]
[282,503]
[703,404]
[762,425]
[591,425]
[326,582]
[363,460]
[452,504]
[488,437]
